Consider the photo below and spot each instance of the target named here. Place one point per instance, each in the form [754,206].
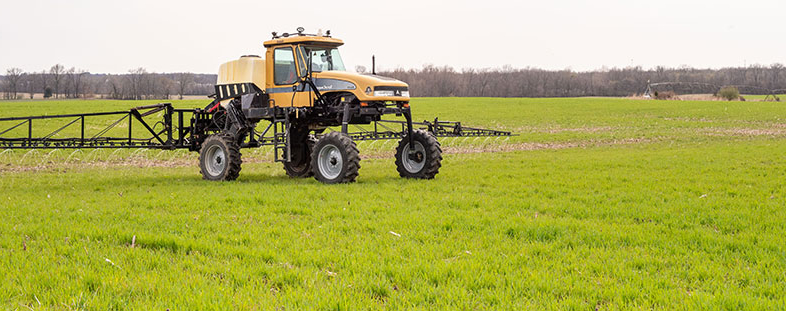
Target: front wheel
[335,159]
[219,158]
[423,160]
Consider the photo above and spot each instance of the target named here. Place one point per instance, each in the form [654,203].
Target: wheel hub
[330,162]
[216,163]
[416,156]
[414,160]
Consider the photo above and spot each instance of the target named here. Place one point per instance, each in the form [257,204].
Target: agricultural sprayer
[309,101]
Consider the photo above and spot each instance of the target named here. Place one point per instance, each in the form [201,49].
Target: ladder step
[281,148]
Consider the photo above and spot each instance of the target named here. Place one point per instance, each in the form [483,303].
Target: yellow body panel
[364,81]
[281,94]
[302,99]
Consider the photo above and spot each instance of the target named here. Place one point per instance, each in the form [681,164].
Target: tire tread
[349,149]
[234,156]
[433,155]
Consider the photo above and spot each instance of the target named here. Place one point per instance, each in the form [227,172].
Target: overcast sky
[107,36]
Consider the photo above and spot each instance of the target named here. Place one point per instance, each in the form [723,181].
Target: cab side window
[284,62]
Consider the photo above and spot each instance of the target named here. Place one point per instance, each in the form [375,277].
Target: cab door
[282,77]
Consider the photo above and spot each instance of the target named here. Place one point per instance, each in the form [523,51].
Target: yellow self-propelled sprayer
[301,88]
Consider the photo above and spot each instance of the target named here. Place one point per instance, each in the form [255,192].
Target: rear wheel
[335,159]
[423,161]
[219,158]
[299,165]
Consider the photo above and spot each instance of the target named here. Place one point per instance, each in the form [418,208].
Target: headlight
[384,93]
[391,93]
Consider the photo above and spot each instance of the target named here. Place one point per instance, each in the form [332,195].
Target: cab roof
[297,39]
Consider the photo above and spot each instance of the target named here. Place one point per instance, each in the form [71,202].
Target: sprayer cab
[292,60]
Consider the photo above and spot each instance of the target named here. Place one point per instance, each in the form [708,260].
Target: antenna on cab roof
[300,32]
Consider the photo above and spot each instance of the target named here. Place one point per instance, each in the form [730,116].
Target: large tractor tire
[300,164]
[335,159]
[423,161]
[219,158]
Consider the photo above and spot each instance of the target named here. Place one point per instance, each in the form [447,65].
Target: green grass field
[598,204]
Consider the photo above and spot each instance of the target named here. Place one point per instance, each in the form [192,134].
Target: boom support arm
[188,128]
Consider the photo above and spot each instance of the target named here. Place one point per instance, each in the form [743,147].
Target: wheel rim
[216,160]
[414,165]
[330,162]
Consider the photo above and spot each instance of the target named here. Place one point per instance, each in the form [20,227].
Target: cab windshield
[322,58]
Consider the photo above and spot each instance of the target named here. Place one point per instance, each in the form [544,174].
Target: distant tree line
[138,83]
[531,82]
[59,82]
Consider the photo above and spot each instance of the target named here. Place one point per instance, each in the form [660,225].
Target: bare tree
[43,81]
[78,79]
[88,84]
[136,79]
[484,77]
[115,87]
[149,87]
[165,87]
[756,71]
[68,84]
[183,80]
[429,80]
[75,82]
[29,80]
[57,72]
[13,76]
[775,75]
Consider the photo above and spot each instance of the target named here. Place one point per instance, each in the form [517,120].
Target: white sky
[108,36]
